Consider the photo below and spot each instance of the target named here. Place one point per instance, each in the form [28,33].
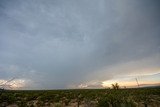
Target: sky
[62,44]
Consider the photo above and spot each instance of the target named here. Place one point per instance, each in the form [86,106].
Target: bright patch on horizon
[14,84]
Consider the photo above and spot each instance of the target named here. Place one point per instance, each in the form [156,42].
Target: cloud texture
[59,43]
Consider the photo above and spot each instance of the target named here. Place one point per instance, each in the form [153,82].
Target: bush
[103,102]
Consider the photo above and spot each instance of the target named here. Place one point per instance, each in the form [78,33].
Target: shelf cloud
[63,43]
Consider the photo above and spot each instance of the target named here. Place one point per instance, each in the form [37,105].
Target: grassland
[82,98]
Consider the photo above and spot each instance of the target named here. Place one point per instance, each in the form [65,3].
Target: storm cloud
[63,43]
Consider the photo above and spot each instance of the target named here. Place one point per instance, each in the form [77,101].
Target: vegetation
[82,97]
[115,86]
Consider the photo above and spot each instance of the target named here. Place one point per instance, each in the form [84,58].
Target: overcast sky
[52,44]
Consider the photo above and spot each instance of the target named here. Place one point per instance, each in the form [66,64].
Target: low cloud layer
[60,44]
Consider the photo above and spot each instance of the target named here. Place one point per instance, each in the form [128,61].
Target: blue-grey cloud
[65,42]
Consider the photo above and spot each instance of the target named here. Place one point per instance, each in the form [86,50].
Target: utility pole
[137,82]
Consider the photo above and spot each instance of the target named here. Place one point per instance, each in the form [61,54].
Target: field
[147,97]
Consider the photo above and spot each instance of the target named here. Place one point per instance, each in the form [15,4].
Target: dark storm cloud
[56,43]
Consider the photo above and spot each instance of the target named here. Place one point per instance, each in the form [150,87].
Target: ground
[146,97]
